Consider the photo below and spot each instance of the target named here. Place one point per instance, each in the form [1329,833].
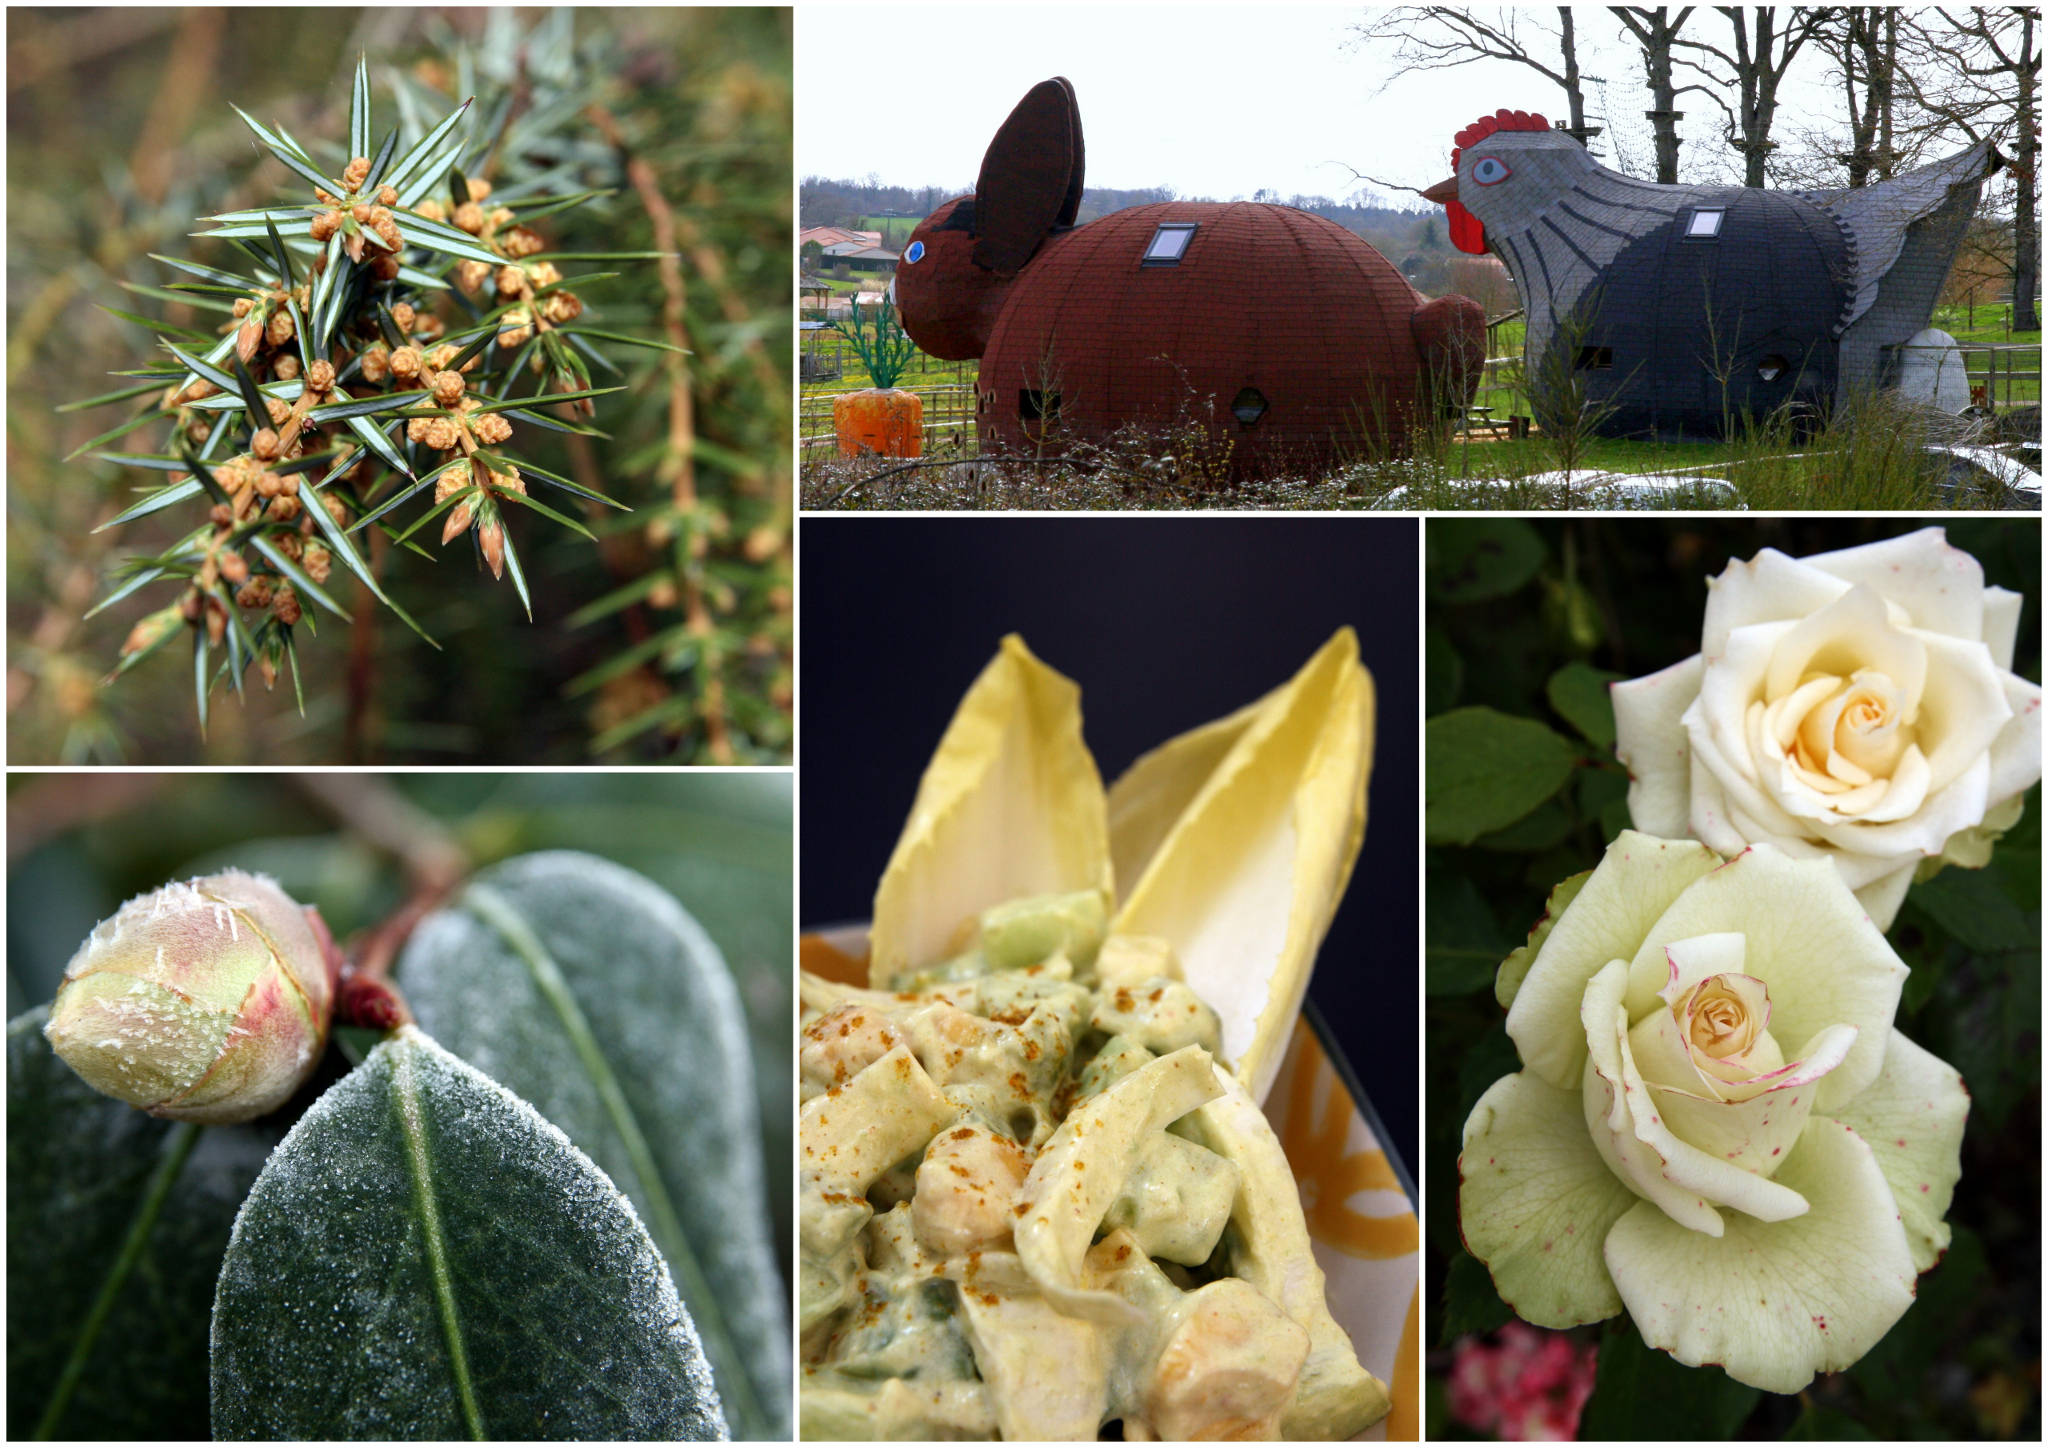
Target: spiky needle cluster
[335,390]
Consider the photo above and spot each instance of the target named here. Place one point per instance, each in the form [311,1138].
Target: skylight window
[1169,243]
[1706,222]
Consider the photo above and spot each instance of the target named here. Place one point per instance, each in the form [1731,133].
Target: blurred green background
[80,844]
[1511,603]
[121,136]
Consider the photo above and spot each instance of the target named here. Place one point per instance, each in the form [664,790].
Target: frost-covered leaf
[112,1210]
[587,989]
[425,1258]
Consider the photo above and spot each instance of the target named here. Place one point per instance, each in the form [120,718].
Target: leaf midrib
[405,1094]
[182,1138]
[708,1313]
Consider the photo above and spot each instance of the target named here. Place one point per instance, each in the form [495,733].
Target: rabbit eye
[1490,171]
[914,252]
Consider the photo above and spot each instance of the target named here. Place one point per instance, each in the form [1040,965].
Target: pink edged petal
[1756,1129]
[1963,709]
[1636,880]
[2001,624]
[2016,753]
[1807,940]
[1767,587]
[1691,961]
[1773,1303]
[1912,1118]
[1882,897]
[1633,1139]
[1854,632]
[1662,1059]
[1939,587]
[1536,1201]
[1650,742]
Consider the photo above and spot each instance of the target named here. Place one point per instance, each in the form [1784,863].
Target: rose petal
[1650,741]
[1757,1130]
[1691,961]
[1941,588]
[1633,1139]
[2016,753]
[1854,632]
[1911,1118]
[1636,881]
[1663,1060]
[1807,940]
[1774,1303]
[1907,791]
[1536,1201]
[2001,624]
[1881,846]
[1882,897]
[1762,589]
[1963,709]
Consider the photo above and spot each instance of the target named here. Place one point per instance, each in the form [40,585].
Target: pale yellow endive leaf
[1249,870]
[1010,805]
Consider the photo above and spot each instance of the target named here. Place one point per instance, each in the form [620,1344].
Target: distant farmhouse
[842,251]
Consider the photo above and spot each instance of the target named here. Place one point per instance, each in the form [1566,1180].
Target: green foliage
[709,1020]
[612,1013]
[657,131]
[880,342]
[1528,621]
[424,1258]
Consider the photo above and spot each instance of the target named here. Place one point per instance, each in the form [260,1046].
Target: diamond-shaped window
[1248,406]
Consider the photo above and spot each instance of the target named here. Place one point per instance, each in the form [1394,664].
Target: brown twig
[681,431]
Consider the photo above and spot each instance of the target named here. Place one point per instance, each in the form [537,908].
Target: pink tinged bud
[207,1001]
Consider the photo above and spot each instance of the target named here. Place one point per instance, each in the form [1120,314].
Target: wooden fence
[948,419]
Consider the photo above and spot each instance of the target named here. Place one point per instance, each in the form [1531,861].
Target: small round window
[915,253]
[1771,368]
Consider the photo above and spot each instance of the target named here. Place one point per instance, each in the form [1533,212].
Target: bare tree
[1655,30]
[1863,42]
[1761,54]
[1982,75]
[1439,37]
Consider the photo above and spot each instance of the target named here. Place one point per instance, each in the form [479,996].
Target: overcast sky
[1212,100]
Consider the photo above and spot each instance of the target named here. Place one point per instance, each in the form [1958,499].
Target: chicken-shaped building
[1684,309]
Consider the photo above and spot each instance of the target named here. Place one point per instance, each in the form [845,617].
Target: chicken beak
[1444,191]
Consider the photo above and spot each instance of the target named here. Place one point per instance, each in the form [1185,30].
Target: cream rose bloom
[1716,1127]
[1857,705]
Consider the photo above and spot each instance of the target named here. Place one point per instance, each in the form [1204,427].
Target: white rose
[1716,1126]
[1858,705]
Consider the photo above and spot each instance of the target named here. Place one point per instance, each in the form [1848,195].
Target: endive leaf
[1245,881]
[1010,805]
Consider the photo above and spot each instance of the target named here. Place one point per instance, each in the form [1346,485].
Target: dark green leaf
[120,431]
[365,406]
[627,341]
[116,1223]
[1471,1305]
[1474,559]
[403,173]
[282,257]
[120,395]
[251,395]
[1443,671]
[518,573]
[224,381]
[1642,1395]
[1543,828]
[160,327]
[546,512]
[1825,1425]
[425,1258]
[300,581]
[205,273]
[382,159]
[141,580]
[1579,694]
[1464,944]
[286,152]
[1483,770]
[613,1009]
[1969,905]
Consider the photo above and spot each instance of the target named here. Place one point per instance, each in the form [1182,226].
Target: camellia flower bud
[207,1001]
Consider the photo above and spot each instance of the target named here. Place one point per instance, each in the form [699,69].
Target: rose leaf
[587,990]
[1482,558]
[1579,694]
[1483,770]
[1470,1303]
[425,1258]
[1640,1393]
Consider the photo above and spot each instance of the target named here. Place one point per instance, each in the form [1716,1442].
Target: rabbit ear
[1071,207]
[1030,177]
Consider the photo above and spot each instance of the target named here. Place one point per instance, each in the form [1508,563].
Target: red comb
[1485,126]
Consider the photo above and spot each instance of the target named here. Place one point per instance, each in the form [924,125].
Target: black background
[1165,623]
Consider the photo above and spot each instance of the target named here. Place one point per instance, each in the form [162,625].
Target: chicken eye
[1490,171]
[915,252]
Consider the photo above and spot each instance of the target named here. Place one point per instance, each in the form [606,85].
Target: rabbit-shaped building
[1680,310]
[1275,329]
